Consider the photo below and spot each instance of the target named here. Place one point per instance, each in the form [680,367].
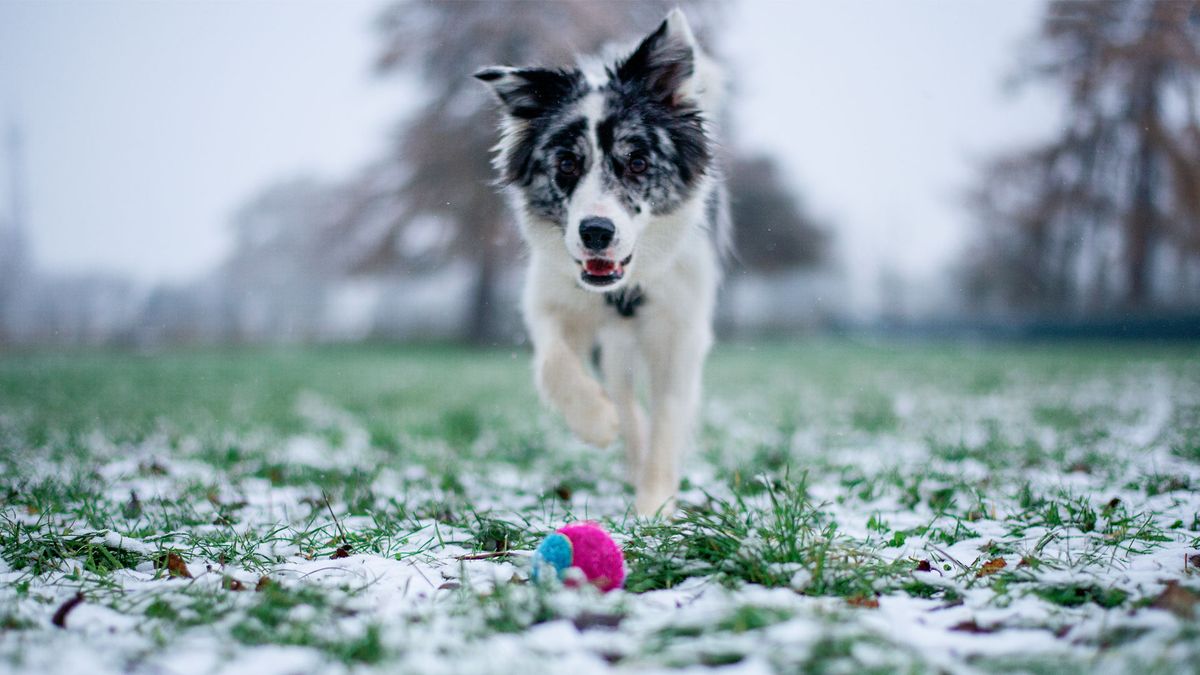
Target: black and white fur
[611,170]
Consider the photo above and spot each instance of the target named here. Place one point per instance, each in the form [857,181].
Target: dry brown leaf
[153,468]
[133,508]
[588,620]
[342,551]
[1178,600]
[863,601]
[174,565]
[970,626]
[264,582]
[991,567]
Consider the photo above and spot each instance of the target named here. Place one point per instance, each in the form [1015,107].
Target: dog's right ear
[528,93]
[664,64]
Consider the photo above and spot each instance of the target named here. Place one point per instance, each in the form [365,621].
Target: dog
[611,167]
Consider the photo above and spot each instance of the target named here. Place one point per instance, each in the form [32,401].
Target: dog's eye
[568,165]
[637,164]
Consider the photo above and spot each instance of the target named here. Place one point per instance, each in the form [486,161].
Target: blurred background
[300,172]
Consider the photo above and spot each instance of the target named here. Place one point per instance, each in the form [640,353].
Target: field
[850,508]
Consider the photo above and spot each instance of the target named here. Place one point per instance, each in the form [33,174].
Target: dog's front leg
[676,365]
[619,360]
[565,384]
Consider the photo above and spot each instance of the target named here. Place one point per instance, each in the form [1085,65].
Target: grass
[373,508]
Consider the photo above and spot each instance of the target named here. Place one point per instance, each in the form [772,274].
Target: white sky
[880,110]
[148,123]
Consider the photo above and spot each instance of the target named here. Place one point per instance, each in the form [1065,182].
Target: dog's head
[598,159]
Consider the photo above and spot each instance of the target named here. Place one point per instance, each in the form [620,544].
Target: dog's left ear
[664,62]
[528,93]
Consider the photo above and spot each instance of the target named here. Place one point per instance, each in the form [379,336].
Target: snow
[433,607]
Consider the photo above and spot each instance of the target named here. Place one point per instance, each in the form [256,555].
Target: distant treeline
[1100,224]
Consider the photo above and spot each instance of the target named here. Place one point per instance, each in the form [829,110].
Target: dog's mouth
[602,271]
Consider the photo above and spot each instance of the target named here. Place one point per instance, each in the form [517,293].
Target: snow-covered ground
[849,509]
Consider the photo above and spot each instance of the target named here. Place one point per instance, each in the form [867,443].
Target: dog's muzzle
[596,233]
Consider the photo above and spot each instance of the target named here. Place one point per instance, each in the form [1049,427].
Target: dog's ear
[527,93]
[664,62]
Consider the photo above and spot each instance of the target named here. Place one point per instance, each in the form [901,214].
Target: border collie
[611,168]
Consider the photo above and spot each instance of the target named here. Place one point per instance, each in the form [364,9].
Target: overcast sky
[146,124]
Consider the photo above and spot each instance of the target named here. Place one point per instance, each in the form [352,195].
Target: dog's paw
[595,422]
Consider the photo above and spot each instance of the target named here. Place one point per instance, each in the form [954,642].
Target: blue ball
[556,552]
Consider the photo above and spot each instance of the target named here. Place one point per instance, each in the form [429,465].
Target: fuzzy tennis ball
[585,546]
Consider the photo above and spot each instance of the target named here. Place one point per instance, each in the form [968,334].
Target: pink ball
[596,554]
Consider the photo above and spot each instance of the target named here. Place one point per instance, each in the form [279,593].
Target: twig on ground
[484,556]
[60,615]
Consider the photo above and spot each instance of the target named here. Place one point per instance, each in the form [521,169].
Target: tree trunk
[482,327]
[1141,223]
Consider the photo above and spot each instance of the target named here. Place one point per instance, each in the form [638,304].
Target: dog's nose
[596,233]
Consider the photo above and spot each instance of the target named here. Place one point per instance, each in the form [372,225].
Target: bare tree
[439,165]
[772,231]
[1081,220]
[280,266]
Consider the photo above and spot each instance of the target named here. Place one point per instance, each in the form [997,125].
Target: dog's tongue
[599,266]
